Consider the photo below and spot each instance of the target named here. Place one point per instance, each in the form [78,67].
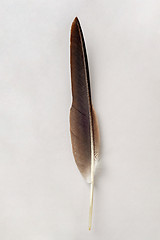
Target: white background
[42,194]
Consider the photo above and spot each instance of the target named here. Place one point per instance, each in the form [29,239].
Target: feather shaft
[92,177]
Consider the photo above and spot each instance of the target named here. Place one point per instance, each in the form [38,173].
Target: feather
[83,121]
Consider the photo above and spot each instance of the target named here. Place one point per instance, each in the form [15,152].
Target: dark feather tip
[75,23]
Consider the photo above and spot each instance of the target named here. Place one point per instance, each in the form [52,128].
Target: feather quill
[83,121]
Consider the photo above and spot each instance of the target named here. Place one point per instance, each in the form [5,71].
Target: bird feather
[83,121]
